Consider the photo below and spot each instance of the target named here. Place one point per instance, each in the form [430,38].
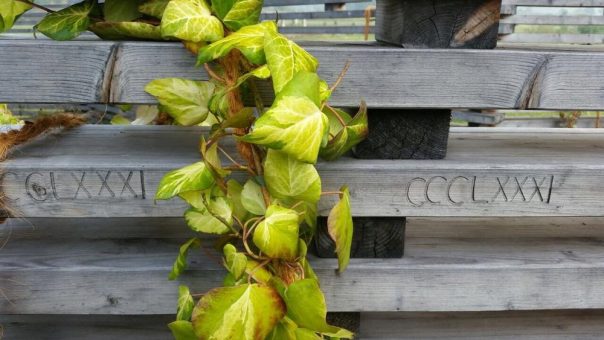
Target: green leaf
[185,100]
[284,330]
[257,272]
[241,119]
[67,23]
[294,125]
[249,40]
[125,31]
[242,13]
[235,262]
[306,307]
[190,20]
[215,219]
[347,137]
[10,11]
[182,330]
[261,72]
[212,160]
[121,10]
[303,84]
[339,225]
[285,58]
[181,261]
[277,235]
[288,178]
[185,304]
[252,198]
[145,114]
[192,177]
[119,120]
[234,190]
[245,312]
[154,8]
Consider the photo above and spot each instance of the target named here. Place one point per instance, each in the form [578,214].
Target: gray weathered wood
[82,72]
[530,325]
[514,172]
[438,24]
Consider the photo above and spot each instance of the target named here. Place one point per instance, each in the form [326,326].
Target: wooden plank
[313,15]
[74,72]
[306,2]
[553,20]
[515,172]
[555,3]
[530,325]
[560,38]
[450,274]
[89,327]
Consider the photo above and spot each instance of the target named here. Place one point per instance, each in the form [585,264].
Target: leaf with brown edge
[245,312]
[339,225]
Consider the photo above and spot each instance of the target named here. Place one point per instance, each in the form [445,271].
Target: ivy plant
[260,202]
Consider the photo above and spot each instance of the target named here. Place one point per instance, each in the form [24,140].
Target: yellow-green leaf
[119,120]
[181,261]
[234,190]
[121,10]
[145,114]
[285,58]
[252,198]
[236,262]
[288,178]
[185,100]
[245,312]
[185,305]
[348,136]
[242,13]
[190,20]
[10,11]
[277,235]
[67,23]
[125,31]
[154,8]
[192,177]
[249,40]
[294,125]
[215,219]
[306,307]
[339,225]
[182,330]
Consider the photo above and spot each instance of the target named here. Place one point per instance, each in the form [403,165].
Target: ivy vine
[262,205]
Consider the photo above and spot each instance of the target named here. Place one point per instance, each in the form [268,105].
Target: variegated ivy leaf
[121,10]
[212,160]
[182,330]
[181,261]
[238,13]
[67,23]
[261,72]
[235,262]
[145,114]
[190,20]
[185,100]
[339,226]
[288,178]
[185,305]
[252,198]
[245,312]
[249,40]
[234,190]
[215,219]
[346,137]
[277,235]
[126,31]
[285,58]
[294,125]
[303,84]
[306,307]
[154,8]
[10,11]
[192,177]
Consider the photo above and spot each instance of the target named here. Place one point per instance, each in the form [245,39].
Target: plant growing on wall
[260,202]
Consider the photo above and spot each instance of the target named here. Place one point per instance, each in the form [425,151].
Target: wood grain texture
[530,325]
[514,172]
[402,79]
[114,276]
[438,24]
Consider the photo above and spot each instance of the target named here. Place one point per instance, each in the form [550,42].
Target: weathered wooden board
[109,171]
[529,325]
[114,276]
[87,71]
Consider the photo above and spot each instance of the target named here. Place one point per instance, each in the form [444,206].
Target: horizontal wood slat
[514,172]
[84,72]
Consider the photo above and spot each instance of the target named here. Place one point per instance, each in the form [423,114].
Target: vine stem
[46,9]
[341,76]
[335,112]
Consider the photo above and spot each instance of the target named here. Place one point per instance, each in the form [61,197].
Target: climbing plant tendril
[261,203]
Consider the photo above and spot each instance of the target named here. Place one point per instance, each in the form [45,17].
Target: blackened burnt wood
[438,23]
